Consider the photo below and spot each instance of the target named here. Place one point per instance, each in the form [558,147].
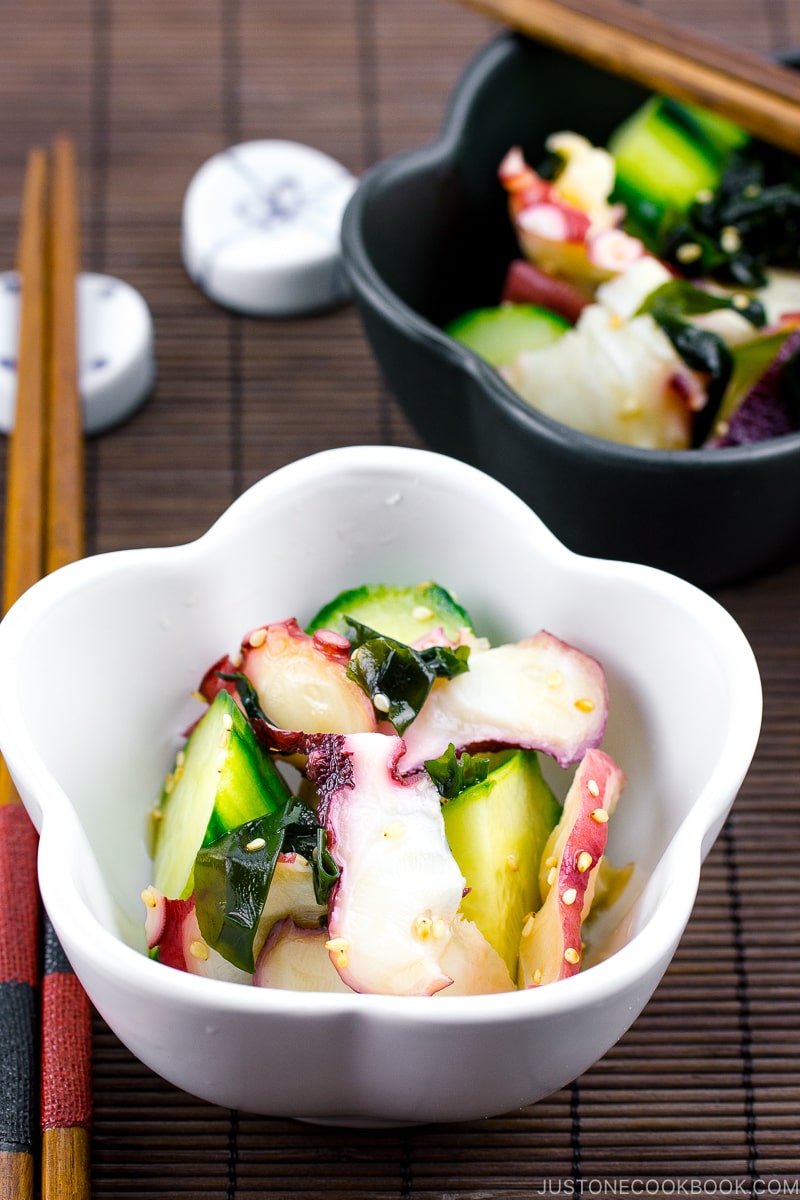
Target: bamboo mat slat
[706,1084]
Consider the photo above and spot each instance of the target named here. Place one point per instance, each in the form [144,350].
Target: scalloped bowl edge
[350,1059]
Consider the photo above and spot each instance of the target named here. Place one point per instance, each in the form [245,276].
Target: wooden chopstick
[44,530]
[19,893]
[66,1013]
[756,93]
[64,525]
[24,543]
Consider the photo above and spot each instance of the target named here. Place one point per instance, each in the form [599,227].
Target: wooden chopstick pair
[44,1012]
[758,94]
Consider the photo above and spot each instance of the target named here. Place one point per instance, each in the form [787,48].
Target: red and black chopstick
[66,1081]
[19,969]
[65,1010]
[19,918]
[45,1016]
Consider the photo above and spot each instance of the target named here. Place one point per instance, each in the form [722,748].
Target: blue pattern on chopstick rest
[274,203]
[116,352]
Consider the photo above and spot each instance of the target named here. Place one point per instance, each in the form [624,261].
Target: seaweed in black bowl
[427,237]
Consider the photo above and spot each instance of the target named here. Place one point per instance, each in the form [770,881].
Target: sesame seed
[689,252]
[555,679]
[169,784]
[180,758]
[722,428]
[199,949]
[227,721]
[150,897]
[741,301]
[537,977]
[704,196]
[381,701]
[223,739]
[571,955]
[552,875]
[222,759]
[527,928]
[422,613]
[423,926]
[569,896]
[439,929]
[551,861]
[600,815]
[512,862]
[156,815]
[256,844]
[257,638]
[585,704]
[730,239]
[339,946]
[631,406]
[584,861]
[593,788]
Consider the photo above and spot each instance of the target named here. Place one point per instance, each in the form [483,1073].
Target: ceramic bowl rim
[110,955]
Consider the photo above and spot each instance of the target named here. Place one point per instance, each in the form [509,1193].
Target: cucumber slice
[502,333]
[721,133]
[221,779]
[497,831]
[402,613]
[664,156]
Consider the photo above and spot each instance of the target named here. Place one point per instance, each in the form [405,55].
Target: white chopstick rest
[116,357]
[260,231]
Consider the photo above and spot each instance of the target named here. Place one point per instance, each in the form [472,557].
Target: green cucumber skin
[205,801]
[511,813]
[390,611]
[237,799]
[501,333]
[664,156]
[721,134]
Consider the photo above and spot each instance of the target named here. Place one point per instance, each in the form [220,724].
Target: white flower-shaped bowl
[99,661]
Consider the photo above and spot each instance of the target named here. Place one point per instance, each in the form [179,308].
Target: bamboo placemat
[704,1090]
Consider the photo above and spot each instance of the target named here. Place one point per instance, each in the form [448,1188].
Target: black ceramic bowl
[427,236]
